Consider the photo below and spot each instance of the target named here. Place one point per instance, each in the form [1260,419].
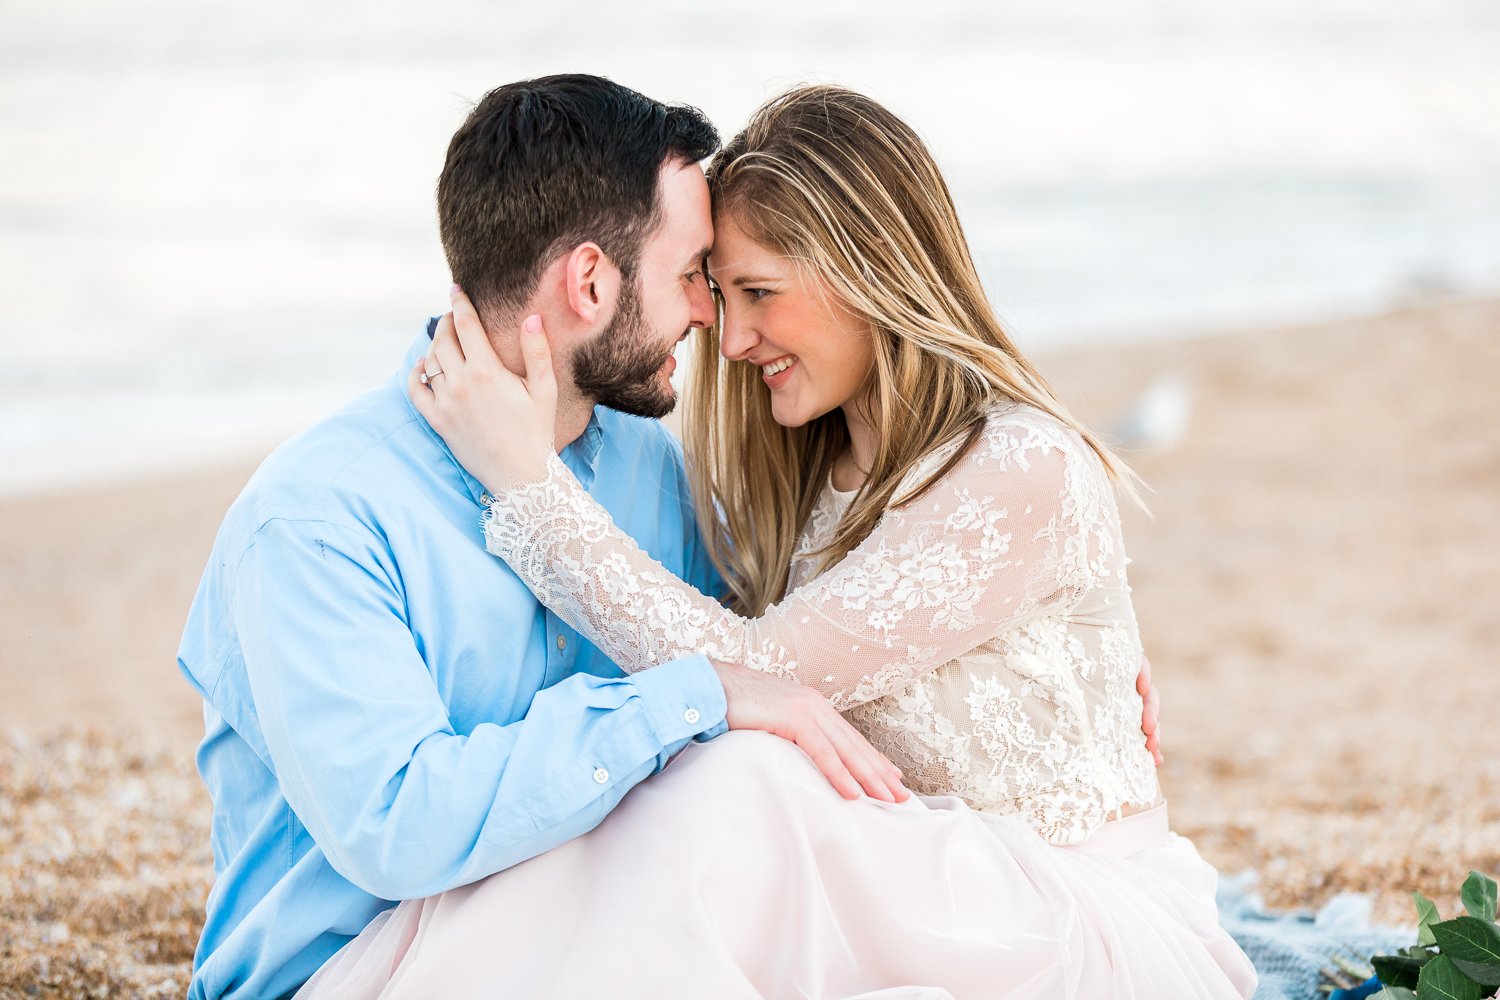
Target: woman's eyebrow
[750,279]
[743,279]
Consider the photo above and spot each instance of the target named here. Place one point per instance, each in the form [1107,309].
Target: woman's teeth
[777,367]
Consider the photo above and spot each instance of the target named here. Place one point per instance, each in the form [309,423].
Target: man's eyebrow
[699,259]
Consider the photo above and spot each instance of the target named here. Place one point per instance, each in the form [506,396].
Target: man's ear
[592,282]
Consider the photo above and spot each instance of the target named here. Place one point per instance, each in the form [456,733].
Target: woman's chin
[786,415]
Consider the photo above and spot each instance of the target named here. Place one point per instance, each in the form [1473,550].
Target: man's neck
[573,416]
[573,411]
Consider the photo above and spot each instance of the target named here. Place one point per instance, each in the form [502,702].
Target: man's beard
[619,368]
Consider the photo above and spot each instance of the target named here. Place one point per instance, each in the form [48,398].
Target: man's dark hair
[543,165]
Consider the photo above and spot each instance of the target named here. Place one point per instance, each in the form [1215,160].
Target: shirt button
[690,716]
[601,775]
[562,642]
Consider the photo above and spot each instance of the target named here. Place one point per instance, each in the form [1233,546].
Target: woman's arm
[1014,530]
[1006,535]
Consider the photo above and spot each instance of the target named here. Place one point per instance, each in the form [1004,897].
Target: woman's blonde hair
[835,182]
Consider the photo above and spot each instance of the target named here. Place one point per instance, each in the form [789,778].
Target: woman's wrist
[517,471]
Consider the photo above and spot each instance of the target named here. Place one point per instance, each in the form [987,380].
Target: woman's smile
[778,372]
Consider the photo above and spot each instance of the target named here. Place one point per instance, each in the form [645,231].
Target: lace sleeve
[1005,536]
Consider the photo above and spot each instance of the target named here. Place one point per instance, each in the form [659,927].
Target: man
[390,713]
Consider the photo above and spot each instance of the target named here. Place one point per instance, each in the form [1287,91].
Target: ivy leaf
[1427,914]
[1474,942]
[1397,970]
[1479,896]
[1440,980]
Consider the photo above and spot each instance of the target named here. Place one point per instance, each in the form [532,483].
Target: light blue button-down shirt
[390,713]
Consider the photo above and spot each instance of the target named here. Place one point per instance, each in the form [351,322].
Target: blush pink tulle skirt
[738,872]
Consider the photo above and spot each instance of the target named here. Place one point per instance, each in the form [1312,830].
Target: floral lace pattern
[982,636]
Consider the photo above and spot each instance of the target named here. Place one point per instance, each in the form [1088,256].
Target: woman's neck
[852,467]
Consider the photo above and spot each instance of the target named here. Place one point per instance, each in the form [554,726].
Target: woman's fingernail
[534,323]
[454,290]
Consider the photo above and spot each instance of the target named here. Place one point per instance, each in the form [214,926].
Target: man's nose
[705,311]
[736,339]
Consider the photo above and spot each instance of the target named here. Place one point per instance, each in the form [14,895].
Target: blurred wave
[216,219]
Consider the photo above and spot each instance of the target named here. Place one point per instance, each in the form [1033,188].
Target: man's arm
[364,750]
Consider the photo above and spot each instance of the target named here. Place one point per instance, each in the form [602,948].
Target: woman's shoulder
[1015,438]
[1022,434]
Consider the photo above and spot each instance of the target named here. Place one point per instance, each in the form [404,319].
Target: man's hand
[1151,711]
[801,715]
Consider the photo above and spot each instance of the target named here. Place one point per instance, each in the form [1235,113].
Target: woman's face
[813,354]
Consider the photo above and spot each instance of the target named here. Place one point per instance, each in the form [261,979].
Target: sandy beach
[1319,592]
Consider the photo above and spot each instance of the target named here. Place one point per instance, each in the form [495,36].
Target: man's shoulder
[321,472]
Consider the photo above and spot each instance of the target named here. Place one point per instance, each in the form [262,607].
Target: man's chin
[653,396]
[653,407]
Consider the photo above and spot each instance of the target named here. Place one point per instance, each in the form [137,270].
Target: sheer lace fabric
[982,637]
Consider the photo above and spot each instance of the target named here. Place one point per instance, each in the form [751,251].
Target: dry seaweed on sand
[104,867]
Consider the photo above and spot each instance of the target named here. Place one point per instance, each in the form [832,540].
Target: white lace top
[981,637]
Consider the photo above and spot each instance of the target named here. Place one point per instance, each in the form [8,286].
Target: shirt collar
[582,456]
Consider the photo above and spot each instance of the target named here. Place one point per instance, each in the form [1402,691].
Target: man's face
[628,367]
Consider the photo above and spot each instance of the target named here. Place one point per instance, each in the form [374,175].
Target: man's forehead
[685,192]
[685,182]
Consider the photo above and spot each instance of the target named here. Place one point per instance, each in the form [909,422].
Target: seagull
[1158,418]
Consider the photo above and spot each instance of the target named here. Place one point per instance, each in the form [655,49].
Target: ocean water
[216,219]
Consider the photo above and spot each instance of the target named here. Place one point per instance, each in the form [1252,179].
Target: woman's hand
[802,716]
[499,425]
[1150,710]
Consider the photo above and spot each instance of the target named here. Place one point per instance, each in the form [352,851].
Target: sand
[1318,594]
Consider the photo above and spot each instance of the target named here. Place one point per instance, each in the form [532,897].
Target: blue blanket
[1290,950]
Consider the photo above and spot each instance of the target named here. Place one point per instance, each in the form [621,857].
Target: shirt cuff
[684,699]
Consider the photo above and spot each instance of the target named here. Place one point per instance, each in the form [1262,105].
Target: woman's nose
[736,339]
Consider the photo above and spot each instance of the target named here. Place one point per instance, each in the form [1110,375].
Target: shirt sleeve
[1010,533]
[366,755]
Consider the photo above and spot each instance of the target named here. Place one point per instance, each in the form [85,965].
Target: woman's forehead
[733,252]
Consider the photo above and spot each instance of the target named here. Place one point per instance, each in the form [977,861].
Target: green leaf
[1394,993]
[1474,947]
[1482,973]
[1469,939]
[1427,914]
[1479,896]
[1442,981]
[1395,970]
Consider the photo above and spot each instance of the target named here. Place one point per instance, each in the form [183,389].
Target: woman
[914,526]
